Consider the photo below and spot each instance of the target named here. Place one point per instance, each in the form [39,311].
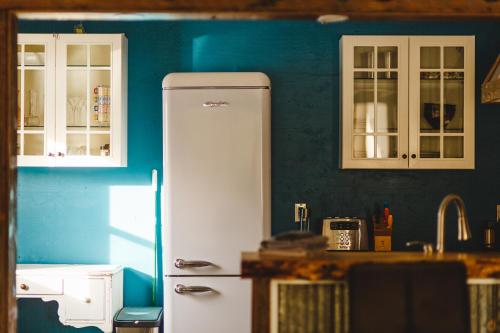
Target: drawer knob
[88,300]
[24,286]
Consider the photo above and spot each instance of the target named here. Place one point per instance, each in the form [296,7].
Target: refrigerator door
[226,309]
[217,170]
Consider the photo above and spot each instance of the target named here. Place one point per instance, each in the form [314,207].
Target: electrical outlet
[498,213]
[297,206]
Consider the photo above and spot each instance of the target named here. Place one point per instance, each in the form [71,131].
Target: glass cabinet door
[374,101]
[443,107]
[35,103]
[88,99]
[90,78]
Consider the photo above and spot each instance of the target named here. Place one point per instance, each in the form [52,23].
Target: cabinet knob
[87,300]
[52,155]
[60,154]
[404,156]
[413,156]
[24,286]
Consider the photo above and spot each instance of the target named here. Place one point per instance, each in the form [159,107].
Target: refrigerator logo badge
[213,105]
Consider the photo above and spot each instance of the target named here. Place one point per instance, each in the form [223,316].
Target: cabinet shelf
[69,127]
[445,79]
[84,67]
[379,79]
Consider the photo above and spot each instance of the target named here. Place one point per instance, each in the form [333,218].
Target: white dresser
[88,295]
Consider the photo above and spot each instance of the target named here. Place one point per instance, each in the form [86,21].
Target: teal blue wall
[64,214]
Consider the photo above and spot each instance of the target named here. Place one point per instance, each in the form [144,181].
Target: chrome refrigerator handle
[181,263]
[182,289]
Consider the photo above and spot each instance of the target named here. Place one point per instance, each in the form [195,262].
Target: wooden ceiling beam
[354,9]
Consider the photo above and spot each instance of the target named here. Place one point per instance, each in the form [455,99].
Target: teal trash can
[138,320]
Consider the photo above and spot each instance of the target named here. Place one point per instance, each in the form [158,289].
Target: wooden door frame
[8,115]
[246,9]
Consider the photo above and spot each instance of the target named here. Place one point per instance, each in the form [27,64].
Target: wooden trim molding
[224,9]
[8,114]
[261,289]
[354,9]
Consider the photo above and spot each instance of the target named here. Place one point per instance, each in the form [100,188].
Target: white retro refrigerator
[216,196]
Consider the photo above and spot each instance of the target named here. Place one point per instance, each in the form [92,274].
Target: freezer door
[216,182]
[226,308]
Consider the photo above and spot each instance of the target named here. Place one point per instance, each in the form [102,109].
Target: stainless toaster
[346,233]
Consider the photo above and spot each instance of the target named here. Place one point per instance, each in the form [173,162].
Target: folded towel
[294,243]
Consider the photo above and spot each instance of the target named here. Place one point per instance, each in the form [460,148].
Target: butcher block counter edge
[334,265]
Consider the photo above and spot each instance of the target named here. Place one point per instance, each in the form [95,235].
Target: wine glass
[76,105]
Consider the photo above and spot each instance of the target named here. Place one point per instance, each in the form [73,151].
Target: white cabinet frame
[55,151]
[347,44]
[468,43]
[408,101]
[49,128]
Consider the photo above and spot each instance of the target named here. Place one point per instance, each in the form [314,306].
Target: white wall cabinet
[407,102]
[87,295]
[72,97]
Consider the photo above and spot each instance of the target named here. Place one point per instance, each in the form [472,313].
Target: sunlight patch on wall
[132,227]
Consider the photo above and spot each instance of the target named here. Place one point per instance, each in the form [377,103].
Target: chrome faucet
[463,224]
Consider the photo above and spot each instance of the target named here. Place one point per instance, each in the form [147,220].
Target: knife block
[382,238]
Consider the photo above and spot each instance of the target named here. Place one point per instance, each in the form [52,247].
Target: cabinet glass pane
[19,54]
[363,146]
[430,57]
[430,95]
[387,57]
[33,144]
[363,56]
[76,144]
[453,92]
[387,146]
[453,147]
[387,102]
[364,106]
[76,99]
[100,55]
[100,144]
[429,147]
[101,98]
[77,55]
[34,55]
[34,90]
[454,57]
[18,99]
[18,145]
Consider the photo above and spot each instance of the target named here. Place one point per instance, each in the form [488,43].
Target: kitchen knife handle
[182,289]
[181,263]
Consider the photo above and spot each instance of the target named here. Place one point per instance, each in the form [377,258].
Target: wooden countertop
[334,265]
